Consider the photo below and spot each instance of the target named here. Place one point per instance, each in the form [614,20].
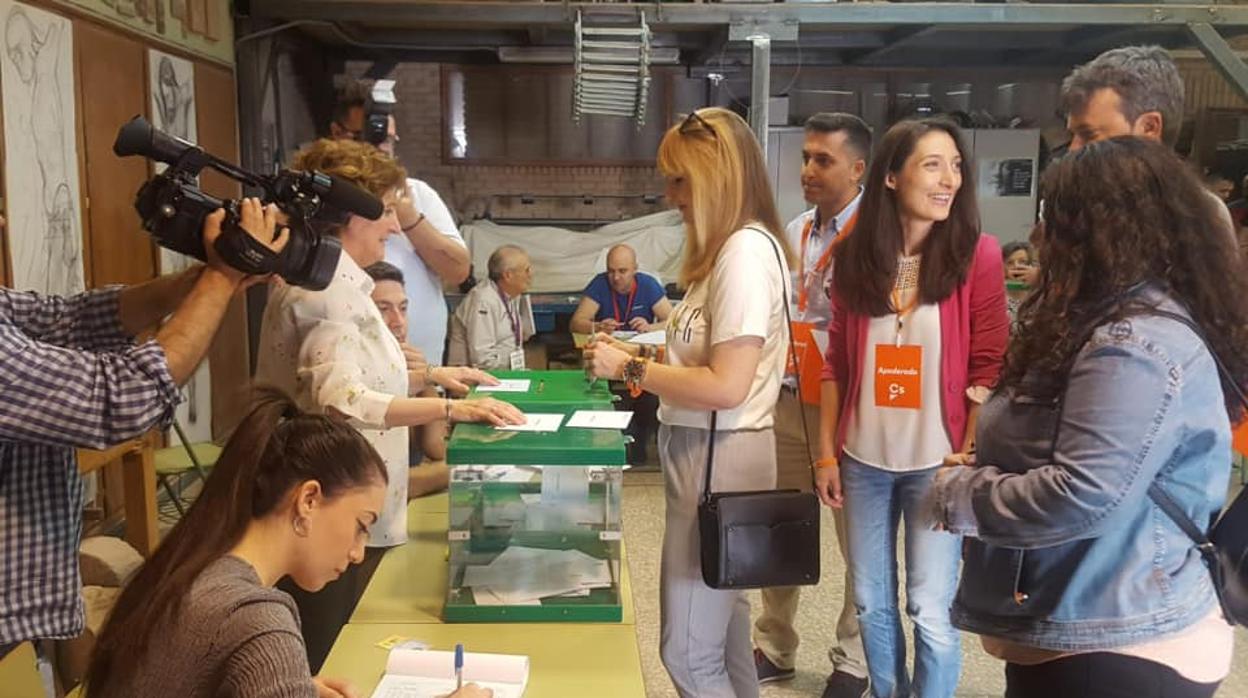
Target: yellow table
[439,503]
[19,674]
[409,585]
[566,659]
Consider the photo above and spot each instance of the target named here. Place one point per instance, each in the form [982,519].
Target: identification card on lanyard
[899,367]
[899,376]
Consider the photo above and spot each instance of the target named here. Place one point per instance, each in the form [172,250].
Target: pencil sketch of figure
[36,55]
[175,97]
[63,258]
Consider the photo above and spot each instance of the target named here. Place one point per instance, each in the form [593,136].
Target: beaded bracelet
[634,374]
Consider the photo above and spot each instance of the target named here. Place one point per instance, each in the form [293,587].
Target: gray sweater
[233,638]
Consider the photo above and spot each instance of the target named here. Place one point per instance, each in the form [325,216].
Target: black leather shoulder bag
[759,539]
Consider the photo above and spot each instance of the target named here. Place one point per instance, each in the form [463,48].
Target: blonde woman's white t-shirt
[743,297]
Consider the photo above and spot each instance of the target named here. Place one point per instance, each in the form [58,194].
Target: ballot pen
[459,666]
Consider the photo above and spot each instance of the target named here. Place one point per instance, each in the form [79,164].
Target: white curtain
[566,260]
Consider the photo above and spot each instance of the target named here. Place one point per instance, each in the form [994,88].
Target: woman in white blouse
[725,353]
[331,350]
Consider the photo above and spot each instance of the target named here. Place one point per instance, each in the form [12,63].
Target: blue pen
[459,666]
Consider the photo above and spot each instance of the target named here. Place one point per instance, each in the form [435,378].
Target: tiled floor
[643,531]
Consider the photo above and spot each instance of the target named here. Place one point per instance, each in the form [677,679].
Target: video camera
[377,112]
[173,208]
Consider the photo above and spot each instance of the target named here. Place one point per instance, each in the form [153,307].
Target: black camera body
[377,111]
[173,209]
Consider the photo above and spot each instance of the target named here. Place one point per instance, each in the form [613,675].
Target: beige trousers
[774,633]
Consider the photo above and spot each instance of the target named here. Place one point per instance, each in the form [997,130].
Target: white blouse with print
[331,349]
[743,297]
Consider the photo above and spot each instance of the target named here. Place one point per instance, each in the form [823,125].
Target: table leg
[139,477]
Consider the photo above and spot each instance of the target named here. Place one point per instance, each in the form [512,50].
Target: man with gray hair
[492,323]
[1128,91]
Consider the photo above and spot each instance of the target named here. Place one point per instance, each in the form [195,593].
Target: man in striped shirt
[71,376]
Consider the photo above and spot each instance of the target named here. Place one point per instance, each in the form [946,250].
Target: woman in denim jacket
[1071,573]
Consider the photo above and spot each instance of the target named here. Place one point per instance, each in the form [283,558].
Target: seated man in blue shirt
[621,299]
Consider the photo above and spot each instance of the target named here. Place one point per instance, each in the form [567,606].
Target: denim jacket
[1065,551]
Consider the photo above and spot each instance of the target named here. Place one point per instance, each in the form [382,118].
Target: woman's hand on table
[486,411]
[458,380]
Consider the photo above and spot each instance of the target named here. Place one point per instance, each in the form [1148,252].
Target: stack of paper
[430,674]
[524,576]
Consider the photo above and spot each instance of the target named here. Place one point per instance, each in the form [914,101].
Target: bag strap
[1155,491]
[710,457]
[784,293]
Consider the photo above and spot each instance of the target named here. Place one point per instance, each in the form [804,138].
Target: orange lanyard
[825,260]
[615,305]
[903,312]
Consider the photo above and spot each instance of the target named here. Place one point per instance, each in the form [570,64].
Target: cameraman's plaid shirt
[69,378]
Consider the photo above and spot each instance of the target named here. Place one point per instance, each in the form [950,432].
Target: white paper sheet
[507,385]
[599,419]
[657,338]
[536,421]
[430,674]
[521,576]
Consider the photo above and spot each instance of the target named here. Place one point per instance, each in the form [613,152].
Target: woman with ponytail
[293,494]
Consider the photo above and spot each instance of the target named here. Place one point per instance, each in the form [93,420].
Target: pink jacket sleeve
[834,361]
[990,323]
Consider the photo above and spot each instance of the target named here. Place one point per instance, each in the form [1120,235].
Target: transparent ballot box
[534,529]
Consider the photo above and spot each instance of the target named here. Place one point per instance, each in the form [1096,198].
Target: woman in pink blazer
[916,340]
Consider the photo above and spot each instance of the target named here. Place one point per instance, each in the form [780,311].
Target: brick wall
[467,188]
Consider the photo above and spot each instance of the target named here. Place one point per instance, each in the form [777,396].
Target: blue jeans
[875,501]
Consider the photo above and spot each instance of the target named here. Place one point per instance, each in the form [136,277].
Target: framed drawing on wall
[171,103]
[41,151]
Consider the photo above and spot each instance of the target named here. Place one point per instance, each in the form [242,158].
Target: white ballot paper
[507,385]
[431,674]
[657,337]
[536,421]
[600,419]
[522,576]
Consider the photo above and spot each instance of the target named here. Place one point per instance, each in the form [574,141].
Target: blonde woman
[725,353]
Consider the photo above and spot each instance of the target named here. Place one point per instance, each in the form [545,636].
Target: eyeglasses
[692,122]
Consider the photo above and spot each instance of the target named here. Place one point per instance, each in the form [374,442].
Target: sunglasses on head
[693,122]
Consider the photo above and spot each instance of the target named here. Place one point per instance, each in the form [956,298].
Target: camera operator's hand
[256,220]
